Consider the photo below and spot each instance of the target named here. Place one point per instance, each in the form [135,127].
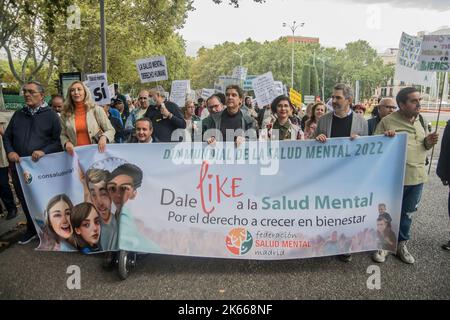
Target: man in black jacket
[33,131]
[165,115]
[443,167]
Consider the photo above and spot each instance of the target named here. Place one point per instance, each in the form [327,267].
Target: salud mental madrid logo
[239,241]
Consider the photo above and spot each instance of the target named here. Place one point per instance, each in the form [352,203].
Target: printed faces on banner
[98,86]
[435,53]
[152,69]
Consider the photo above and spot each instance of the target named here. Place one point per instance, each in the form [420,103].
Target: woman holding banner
[82,122]
[282,128]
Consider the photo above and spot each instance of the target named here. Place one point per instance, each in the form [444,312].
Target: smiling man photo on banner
[96,183]
[122,186]
[33,131]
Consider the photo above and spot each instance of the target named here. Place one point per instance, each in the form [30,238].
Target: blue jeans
[411,199]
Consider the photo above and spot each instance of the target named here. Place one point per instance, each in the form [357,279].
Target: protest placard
[152,69]
[98,86]
[264,88]
[179,91]
[407,67]
[296,98]
[206,93]
[435,53]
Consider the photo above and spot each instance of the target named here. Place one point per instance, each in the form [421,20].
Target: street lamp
[293,27]
[103,35]
[241,55]
[324,60]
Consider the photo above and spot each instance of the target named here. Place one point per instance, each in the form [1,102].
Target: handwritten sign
[152,69]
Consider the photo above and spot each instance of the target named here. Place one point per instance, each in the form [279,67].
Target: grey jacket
[214,122]
[359,125]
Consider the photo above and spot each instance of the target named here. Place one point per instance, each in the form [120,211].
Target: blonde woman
[82,122]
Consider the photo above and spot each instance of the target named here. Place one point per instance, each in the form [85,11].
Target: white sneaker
[403,254]
[380,256]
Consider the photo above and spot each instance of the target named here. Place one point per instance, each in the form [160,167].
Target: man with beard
[407,119]
[96,180]
[343,122]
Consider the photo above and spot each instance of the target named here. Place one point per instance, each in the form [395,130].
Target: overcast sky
[336,23]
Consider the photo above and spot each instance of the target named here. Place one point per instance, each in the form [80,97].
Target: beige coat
[3,158]
[96,120]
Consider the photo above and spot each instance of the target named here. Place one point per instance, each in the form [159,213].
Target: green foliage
[305,83]
[314,82]
[135,29]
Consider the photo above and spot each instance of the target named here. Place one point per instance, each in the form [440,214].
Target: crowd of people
[39,129]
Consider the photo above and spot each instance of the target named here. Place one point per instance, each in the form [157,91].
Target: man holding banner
[232,119]
[343,122]
[33,131]
[406,119]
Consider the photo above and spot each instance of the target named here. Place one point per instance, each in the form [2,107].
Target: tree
[305,83]
[26,28]
[44,46]
[235,3]
[314,82]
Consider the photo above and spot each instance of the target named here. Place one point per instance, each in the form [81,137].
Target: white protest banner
[407,67]
[264,88]
[98,86]
[206,93]
[240,73]
[435,53]
[152,69]
[309,99]
[214,202]
[179,91]
[97,77]
[279,88]
[112,90]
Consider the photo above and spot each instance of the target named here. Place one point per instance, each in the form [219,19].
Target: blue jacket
[27,133]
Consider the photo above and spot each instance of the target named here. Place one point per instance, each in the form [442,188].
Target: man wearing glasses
[138,113]
[33,131]
[385,108]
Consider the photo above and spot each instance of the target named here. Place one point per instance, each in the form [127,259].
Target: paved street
[28,274]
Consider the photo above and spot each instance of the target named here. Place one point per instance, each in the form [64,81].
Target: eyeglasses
[25,91]
[113,188]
